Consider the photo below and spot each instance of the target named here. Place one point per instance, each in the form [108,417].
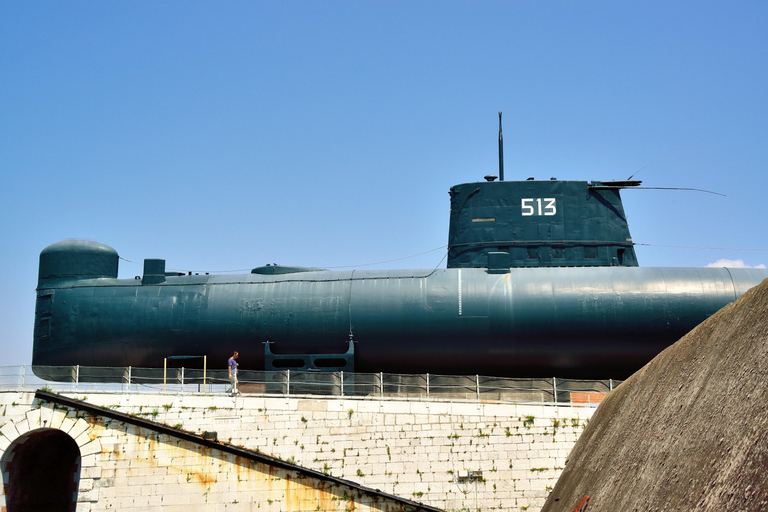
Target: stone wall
[448,455]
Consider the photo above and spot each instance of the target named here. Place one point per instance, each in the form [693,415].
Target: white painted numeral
[538,206]
[527,208]
[550,208]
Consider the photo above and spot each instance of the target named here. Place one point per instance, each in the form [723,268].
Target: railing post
[610,384]
[477,386]
[77,376]
[165,370]
[554,388]
[182,380]
[205,369]
[129,378]
[342,383]
[23,374]
[288,382]
[381,384]
[427,385]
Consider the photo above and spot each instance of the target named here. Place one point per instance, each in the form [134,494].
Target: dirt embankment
[689,431]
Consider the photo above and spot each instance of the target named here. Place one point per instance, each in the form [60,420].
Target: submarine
[541,280]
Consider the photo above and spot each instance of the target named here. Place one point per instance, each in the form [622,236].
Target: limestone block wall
[419,450]
[447,455]
[122,466]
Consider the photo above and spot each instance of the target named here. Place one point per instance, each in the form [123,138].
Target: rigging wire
[390,261]
[446,254]
[679,188]
[703,248]
[325,268]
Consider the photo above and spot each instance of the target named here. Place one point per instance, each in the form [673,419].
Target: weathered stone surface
[689,431]
[419,455]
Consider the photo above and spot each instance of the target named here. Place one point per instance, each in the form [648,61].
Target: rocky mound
[689,431]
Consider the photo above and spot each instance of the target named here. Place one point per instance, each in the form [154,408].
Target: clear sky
[228,135]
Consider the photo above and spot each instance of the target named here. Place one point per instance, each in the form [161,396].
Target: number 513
[539,206]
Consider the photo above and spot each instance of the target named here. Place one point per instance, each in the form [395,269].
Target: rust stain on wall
[144,452]
[203,478]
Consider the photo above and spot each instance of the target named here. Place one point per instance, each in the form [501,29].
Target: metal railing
[292,382]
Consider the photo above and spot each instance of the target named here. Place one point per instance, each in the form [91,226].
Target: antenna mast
[501,151]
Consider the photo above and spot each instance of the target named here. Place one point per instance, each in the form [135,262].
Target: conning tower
[539,223]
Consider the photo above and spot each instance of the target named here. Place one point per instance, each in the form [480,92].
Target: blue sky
[227,135]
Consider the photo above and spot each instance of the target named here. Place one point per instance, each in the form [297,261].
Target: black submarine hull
[528,322]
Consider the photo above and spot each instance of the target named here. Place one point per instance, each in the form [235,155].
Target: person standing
[232,365]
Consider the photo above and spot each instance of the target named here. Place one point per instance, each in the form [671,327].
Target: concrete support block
[91,472]
[67,423]
[57,417]
[90,448]
[88,460]
[85,484]
[33,419]
[22,426]
[9,431]
[46,412]
[91,496]
[83,439]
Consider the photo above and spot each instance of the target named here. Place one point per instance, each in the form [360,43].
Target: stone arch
[44,424]
[41,471]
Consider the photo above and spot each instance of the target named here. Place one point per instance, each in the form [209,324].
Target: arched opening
[43,472]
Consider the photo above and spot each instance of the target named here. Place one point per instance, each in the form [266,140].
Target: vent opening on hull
[320,362]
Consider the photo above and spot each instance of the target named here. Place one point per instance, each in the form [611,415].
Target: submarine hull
[563,322]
